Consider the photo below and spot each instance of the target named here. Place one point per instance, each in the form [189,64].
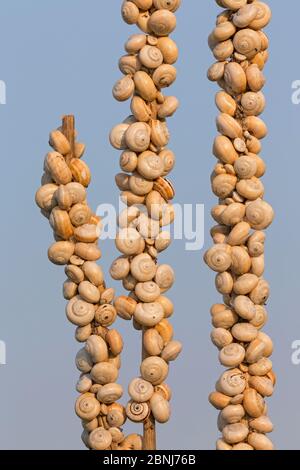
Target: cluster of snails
[145,162]
[240,48]
[62,200]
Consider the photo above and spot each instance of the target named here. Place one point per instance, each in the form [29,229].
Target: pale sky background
[60,56]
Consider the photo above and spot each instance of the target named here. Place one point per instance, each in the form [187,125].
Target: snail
[123,89]
[232,382]
[263,16]
[229,126]
[148,314]
[145,86]
[87,251]
[57,167]
[232,355]
[117,136]
[143,268]
[140,186]
[244,332]
[223,185]
[263,425]
[128,241]
[224,31]
[235,433]
[219,400]
[137,137]
[159,134]
[255,78]
[84,384]
[87,406]
[239,233]
[224,150]
[245,284]
[140,390]
[233,214]
[153,342]
[235,78]
[120,268]
[168,108]
[244,307]
[162,22]
[74,273]
[125,307]
[79,312]
[104,373]
[110,393]
[171,5]
[61,252]
[93,273]
[164,277]
[135,43]
[137,412]
[224,283]
[147,291]
[141,111]
[45,197]
[245,167]
[105,315]
[259,214]
[247,42]
[221,337]
[216,72]
[260,441]
[164,75]
[160,408]
[218,258]
[83,361]
[223,50]
[59,142]
[225,103]
[80,172]
[80,214]
[245,15]
[129,64]
[97,349]
[89,292]
[61,223]
[225,318]
[150,165]
[168,49]
[253,103]
[154,369]
[130,12]
[151,57]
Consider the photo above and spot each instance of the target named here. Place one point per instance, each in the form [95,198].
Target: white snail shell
[171,351]
[128,241]
[83,361]
[221,337]
[245,15]
[232,382]
[100,439]
[151,57]
[218,258]
[87,406]
[123,89]
[260,441]
[93,273]
[244,307]
[259,214]
[164,75]
[153,342]
[117,136]
[120,268]
[140,390]
[232,355]
[154,370]
[97,349]
[160,408]
[110,393]
[164,277]
[150,165]
[149,314]
[235,433]
[235,78]
[147,291]
[105,315]
[162,22]
[263,16]
[232,414]
[79,312]
[104,373]
[143,268]
[137,137]
[145,86]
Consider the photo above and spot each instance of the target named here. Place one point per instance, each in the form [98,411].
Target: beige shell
[139,185]
[104,373]
[223,185]
[235,433]
[168,108]
[84,383]
[77,192]
[137,412]
[135,43]
[116,415]
[245,15]
[79,312]
[114,341]
[125,307]
[171,351]
[219,400]
[216,72]
[110,393]
[261,316]
[225,103]
[224,283]
[140,390]
[245,284]
[128,241]
[140,109]
[56,165]
[45,197]
[162,22]
[168,49]
[233,214]
[145,86]
[153,343]
[150,165]
[166,330]
[263,424]
[93,273]
[262,367]
[87,233]
[239,234]
[260,441]
[253,103]
[120,268]
[74,273]
[105,315]
[224,31]
[244,307]
[256,126]
[163,241]
[151,57]
[171,5]
[64,198]
[129,64]
[232,382]
[262,385]
[255,351]
[117,136]
[128,161]
[59,142]
[80,171]
[233,4]
[70,289]
[164,277]
[61,252]
[218,258]
[229,126]
[159,134]
[256,244]
[235,78]
[123,89]
[223,50]
[245,167]
[232,414]
[127,216]
[87,406]
[80,214]
[148,314]
[247,42]
[87,251]
[137,137]
[259,214]
[263,16]
[97,349]
[232,355]
[160,408]
[221,337]
[165,189]
[267,342]
[224,150]
[143,268]
[154,370]
[100,438]
[130,12]
[255,78]
[147,291]
[132,442]
[61,223]
[244,332]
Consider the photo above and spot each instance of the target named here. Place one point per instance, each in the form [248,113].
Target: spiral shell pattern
[146,160]
[242,215]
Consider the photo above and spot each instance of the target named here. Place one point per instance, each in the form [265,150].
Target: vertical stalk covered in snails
[76,229]
[148,69]
[241,50]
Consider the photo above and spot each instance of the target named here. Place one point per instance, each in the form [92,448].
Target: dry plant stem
[149,428]
[68,129]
